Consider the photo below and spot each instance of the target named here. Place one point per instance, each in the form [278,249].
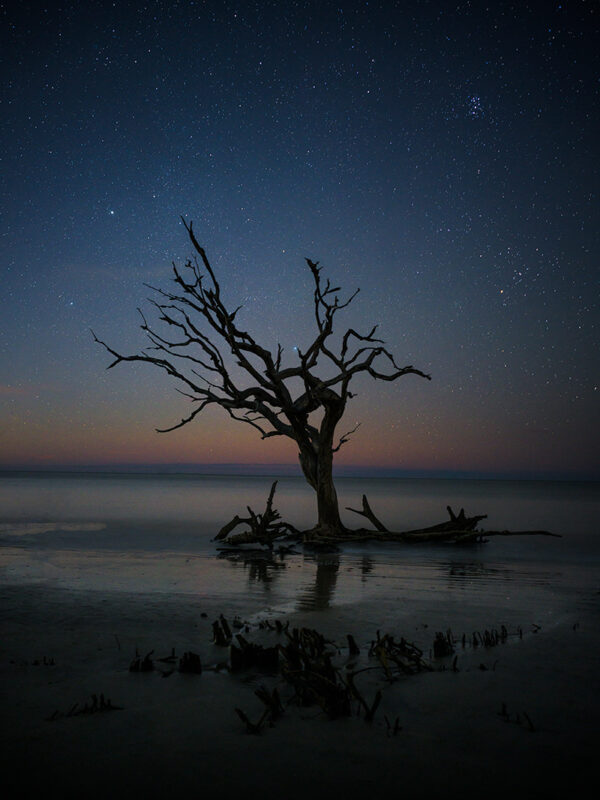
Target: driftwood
[96,706]
[252,727]
[221,632]
[263,528]
[459,529]
[249,654]
[305,663]
[401,657]
[190,663]
[307,667]
[140,664]
[272,702]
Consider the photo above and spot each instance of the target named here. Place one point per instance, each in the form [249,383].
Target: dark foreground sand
[179,735]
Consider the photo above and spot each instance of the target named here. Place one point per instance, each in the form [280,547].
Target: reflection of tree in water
[263,566]
[320,594]
[366,566]
[264,571]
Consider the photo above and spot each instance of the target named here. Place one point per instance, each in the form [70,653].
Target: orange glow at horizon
[217,440]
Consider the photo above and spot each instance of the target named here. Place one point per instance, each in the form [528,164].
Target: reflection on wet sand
[461,572]
[319,595]
[266,568]
[263,566]
[320,581]
[366,567]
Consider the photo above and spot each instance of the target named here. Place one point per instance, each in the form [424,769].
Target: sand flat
[180,733]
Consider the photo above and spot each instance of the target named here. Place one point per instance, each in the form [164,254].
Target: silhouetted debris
[459,529]
[395,729]
[528,721]
[263,528]
[443,644]
[272,702]
[252,727]
[190,663]
[169,659]
[46,662]
[140,664]
[249,654]
[398,657]
[353,648]
[225,627]
[525,721]
[370,712]
[306,666]
[97,705]
[221,632]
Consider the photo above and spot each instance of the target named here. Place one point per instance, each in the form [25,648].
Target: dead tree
[202,332]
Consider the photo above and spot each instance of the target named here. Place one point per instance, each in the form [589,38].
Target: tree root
[265,528]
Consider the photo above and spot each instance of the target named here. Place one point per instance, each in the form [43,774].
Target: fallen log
[458,529]
[457,522]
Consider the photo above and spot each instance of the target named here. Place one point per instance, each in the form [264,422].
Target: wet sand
[180,733]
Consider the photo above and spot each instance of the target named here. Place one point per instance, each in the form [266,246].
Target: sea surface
[152,534]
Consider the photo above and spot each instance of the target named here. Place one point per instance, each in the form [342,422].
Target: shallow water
[150,534]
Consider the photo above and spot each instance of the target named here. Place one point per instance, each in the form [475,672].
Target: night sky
[441,156]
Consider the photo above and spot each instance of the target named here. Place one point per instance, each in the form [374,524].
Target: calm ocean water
[152,534]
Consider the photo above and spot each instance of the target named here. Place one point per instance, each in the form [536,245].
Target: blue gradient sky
[440,156]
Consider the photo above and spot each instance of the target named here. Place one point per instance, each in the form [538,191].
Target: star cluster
[441,156]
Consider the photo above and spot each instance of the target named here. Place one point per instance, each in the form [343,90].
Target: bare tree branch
[202,338]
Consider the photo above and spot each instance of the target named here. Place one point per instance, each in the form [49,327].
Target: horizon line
[287,469]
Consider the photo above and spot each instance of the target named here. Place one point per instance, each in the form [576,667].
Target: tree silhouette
[193,346]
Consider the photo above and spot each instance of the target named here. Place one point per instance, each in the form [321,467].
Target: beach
[181,733]
[520,716]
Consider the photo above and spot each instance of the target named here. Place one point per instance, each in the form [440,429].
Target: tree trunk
[327,502]
[316,460]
